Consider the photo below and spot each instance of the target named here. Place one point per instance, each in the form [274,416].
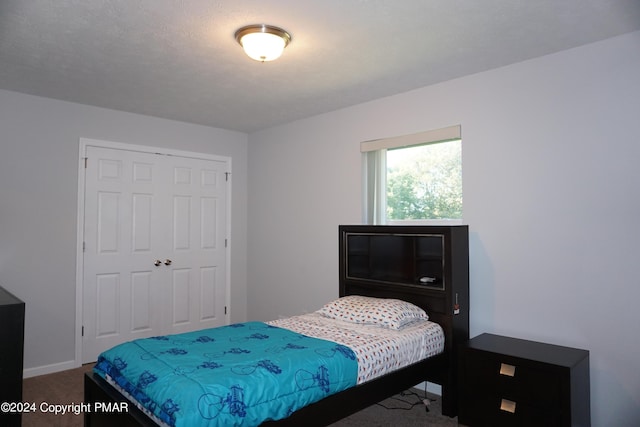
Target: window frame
[374,171]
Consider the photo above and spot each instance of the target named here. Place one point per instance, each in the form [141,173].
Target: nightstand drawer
[513,379]
[493,411]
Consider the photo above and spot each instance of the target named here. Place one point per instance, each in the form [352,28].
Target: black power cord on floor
[409,400]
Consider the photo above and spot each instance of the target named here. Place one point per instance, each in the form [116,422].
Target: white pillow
[391,313]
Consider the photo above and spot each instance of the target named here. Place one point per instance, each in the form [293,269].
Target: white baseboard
[48,369]
[431,388]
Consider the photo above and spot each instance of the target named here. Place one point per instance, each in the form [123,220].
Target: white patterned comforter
[379,350]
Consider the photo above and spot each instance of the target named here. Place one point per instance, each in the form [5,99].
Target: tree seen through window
[425,182]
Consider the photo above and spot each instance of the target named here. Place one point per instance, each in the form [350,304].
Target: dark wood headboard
[446,299]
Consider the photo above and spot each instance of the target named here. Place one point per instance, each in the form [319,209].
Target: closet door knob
[157,263]
[167,262]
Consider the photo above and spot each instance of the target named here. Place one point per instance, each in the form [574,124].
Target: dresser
[11,354]
[513,382]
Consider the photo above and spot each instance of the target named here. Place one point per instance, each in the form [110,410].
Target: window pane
[425,182]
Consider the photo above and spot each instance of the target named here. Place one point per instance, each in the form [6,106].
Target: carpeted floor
[401,411]
[67,387]
[61,388]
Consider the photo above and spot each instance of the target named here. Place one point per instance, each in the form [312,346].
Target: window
[414,178]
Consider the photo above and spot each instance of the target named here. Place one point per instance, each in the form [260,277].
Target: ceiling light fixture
[263,42]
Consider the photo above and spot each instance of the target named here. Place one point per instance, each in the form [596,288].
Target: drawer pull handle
[508,406]
[507,370]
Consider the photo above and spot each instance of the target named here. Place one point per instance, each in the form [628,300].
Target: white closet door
[197,255]
[154,259]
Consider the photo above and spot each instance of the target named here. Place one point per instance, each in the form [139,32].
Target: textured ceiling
[178,59]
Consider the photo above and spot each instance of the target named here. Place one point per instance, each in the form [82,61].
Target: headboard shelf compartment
[408,259]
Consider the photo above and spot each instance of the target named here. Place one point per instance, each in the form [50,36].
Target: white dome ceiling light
[263,42]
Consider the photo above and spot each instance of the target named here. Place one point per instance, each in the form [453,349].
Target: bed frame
[449,307]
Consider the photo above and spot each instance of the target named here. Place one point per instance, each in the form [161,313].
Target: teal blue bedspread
[236,375]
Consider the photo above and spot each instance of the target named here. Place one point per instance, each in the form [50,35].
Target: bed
[350,389]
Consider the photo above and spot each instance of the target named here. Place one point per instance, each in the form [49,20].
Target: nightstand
[513,382]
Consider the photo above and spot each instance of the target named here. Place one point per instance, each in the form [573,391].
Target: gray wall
[38,207]
[551,195]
